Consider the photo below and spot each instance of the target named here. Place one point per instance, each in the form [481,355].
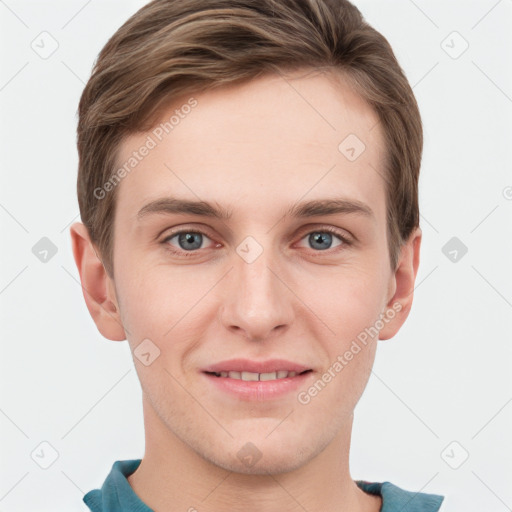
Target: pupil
[319,238]
[189,239]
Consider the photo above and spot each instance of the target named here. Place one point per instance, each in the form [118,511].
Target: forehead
[270,141]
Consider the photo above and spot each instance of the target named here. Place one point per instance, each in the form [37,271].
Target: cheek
[349,301]
[157,302]
[340,384]
[350,305]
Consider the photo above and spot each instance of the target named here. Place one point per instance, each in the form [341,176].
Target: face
[267,281]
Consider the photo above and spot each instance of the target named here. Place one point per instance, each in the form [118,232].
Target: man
[248,189]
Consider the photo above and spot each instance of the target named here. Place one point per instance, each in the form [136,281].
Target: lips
[255,386]
[246,365]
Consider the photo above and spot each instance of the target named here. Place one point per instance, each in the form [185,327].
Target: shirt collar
[394,498]
[116,494]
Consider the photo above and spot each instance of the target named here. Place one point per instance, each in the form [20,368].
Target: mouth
[257,380]
[253,376]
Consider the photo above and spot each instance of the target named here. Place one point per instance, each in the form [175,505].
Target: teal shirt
[116,494]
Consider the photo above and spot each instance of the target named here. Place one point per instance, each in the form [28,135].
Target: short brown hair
[174,47]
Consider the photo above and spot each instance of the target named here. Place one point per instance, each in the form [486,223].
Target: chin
[263,457]
[272,465]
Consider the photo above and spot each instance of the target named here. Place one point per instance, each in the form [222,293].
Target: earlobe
[398,307]
[97,287]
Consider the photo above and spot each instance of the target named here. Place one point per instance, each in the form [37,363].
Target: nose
[257,298]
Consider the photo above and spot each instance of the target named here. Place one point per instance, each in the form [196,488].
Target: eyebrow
[312,208]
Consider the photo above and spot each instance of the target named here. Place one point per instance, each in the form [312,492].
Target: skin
[257,149]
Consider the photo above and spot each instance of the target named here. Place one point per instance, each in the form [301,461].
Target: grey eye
[190,240]
[321,240]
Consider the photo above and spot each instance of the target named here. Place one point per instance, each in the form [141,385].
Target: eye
[188,242]
[322,239]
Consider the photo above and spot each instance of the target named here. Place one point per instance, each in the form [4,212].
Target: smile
[251,376]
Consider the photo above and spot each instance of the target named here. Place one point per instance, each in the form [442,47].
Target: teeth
[251,376]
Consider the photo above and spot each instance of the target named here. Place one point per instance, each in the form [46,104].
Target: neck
[172,477]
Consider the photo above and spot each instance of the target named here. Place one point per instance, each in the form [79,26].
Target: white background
[445,377]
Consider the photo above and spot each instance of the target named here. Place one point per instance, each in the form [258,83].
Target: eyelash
[188,254]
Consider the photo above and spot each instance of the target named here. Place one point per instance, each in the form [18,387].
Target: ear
[98,288]
[402,287]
